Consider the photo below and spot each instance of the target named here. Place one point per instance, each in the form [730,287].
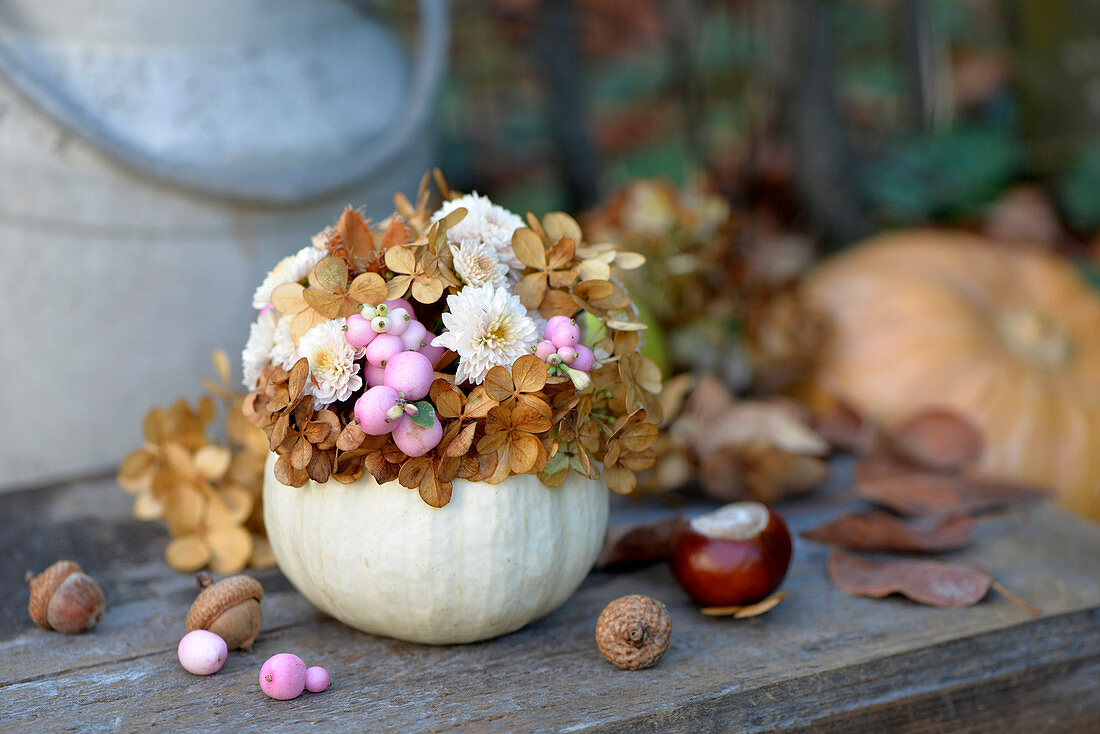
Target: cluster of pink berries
[285,676]
[399,372]
[563,353]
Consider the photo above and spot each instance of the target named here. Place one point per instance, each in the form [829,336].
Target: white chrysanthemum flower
[257,351]
[485,222]
[539,322]
[332,366]
[477,264]
[488,327]
[284,352]
[290,269]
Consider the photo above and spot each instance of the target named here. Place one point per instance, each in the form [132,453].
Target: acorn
[64,598]
[633,631]
[229,609]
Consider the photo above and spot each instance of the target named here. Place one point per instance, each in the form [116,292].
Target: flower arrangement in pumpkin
[445,345]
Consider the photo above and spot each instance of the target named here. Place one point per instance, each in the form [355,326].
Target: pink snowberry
[563,333]
[567,354]
[383,349]
[400,303]
[415,337]
[380,324]
[373,409]
[553,321]
[416,440]
[544,349]
[359,332]
[410,374]
[433,353]
[316,679]
[585,358]
[283,676]
[202,652]
[374,375]
[399,321]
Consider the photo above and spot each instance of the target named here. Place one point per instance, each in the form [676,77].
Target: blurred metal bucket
[158,157]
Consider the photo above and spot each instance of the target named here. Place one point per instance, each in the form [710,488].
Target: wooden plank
[821,659]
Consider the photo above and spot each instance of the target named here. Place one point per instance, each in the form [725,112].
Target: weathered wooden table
[821,660]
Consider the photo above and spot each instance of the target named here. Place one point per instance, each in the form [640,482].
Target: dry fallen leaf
[927,582]
[937,439]
[640,543]
[876,530]
[748,610]
[774,423]
[921,493]
[844,427]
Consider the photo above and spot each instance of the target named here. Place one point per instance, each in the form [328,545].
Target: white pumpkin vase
[379,559]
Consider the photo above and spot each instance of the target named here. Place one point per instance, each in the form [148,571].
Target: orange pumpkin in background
[1008,337]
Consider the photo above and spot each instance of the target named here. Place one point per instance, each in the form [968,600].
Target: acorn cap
[633,631]
[44,585]
[216,598]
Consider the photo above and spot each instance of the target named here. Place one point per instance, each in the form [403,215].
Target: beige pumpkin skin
[380,560]
[1008,337]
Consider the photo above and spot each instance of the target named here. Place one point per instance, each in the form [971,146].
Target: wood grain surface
[820,661]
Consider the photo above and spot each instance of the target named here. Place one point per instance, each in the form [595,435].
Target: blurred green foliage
[943,176]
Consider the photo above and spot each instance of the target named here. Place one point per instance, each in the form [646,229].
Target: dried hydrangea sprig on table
[207,493]
[460,356]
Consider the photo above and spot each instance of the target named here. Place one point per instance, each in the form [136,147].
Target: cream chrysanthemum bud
[477,264]
[333,370]
[486,223]
[488,327]
[291,269]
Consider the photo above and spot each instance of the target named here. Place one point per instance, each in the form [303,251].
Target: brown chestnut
[737,554]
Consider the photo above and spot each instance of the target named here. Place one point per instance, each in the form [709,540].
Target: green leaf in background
[425,414]
[950,174]
[1090,270]
[1080,190]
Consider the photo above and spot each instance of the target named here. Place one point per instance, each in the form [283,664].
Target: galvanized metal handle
[325,178]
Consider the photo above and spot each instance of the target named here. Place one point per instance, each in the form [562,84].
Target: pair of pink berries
[561,345]
[385,409]
[285,676]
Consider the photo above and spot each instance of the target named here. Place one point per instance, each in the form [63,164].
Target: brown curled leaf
[746,611]
[844,427]
[876,530]
[938,439]
[920,493]
[646,542]
[927,582]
